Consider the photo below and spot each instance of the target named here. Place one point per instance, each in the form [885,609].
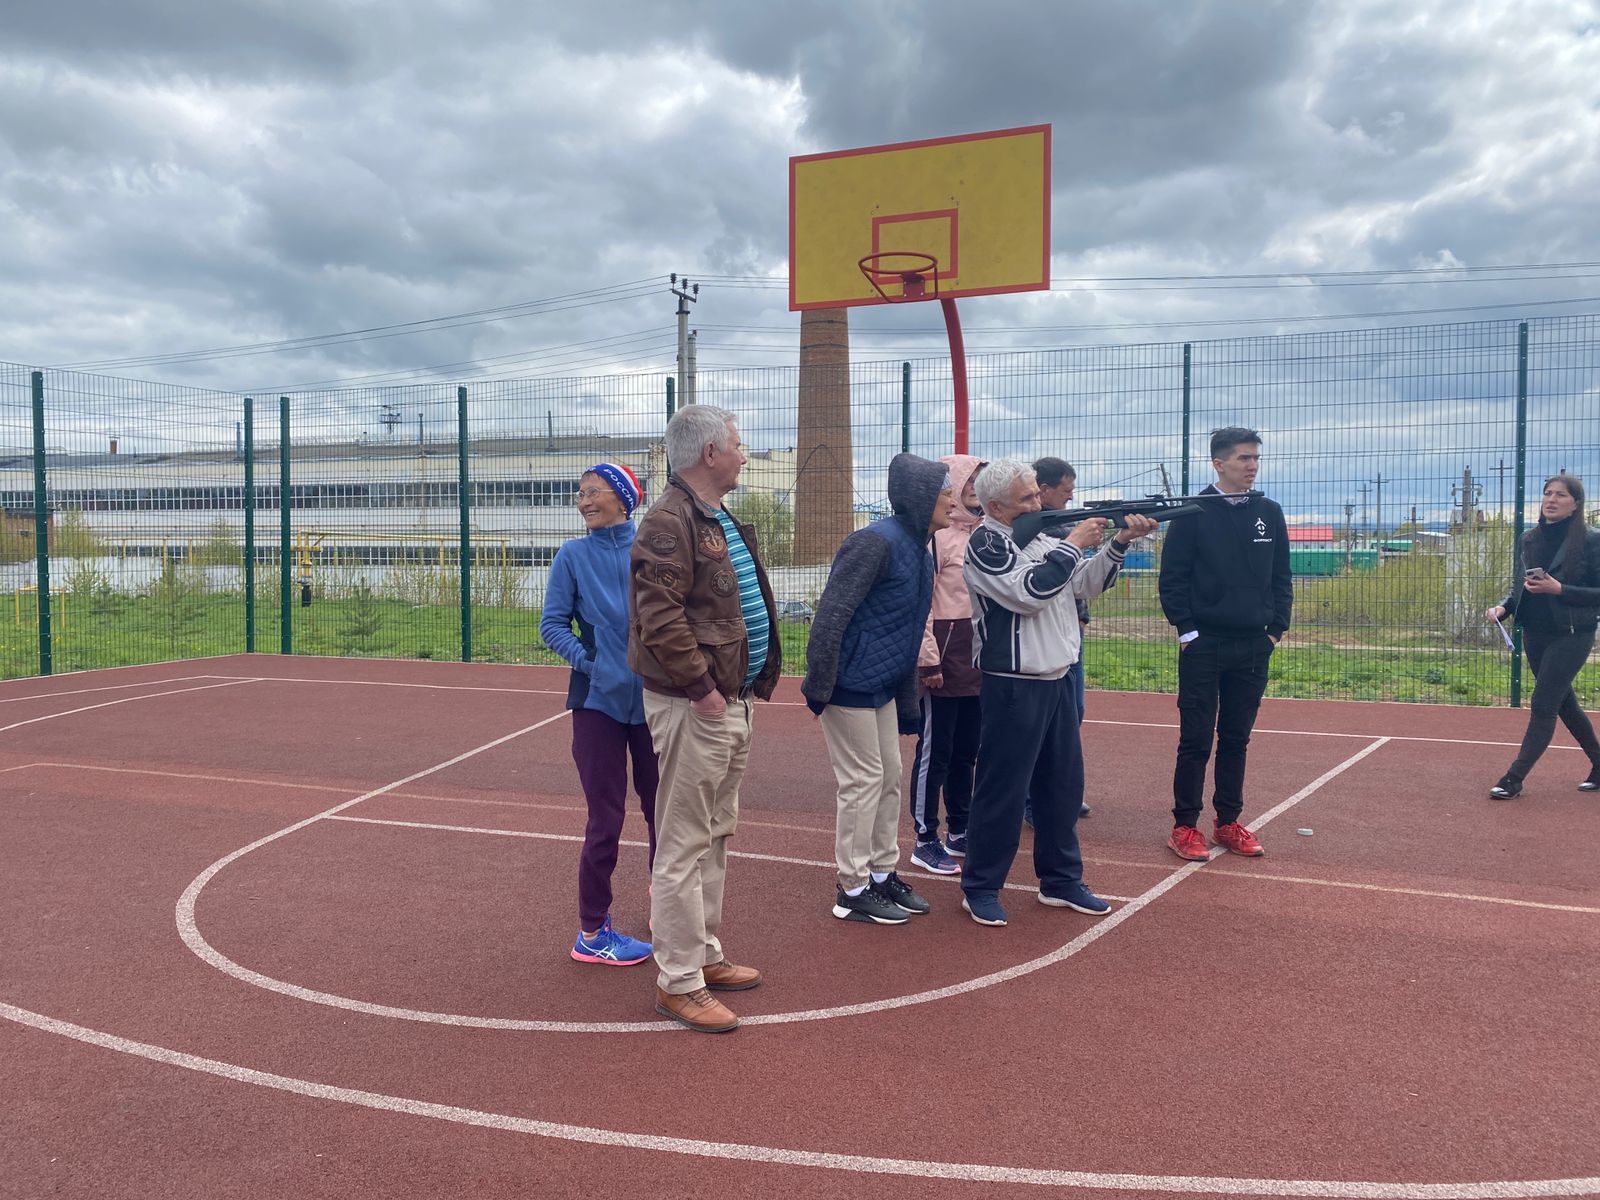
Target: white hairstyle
[692,429]
[995,480]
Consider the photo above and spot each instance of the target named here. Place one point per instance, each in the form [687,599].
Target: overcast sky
[178,176]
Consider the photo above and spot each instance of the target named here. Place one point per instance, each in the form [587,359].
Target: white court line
[1393,737]
[459,687]
[433,687]
[1103,925]
[125,700]
[573,837]
[1405,891]
[779,1156]
[116,687]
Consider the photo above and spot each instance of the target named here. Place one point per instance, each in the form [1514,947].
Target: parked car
[795,610]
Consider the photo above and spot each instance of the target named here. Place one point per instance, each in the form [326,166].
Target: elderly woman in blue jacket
[589,587]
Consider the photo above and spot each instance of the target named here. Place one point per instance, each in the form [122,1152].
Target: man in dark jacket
[704,641]
[1226,588]
[861,679]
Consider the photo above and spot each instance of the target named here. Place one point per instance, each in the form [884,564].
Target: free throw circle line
[1102,926]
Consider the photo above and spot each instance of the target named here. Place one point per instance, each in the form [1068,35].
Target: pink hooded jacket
[947,639]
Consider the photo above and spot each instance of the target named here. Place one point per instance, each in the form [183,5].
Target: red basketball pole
[958,369]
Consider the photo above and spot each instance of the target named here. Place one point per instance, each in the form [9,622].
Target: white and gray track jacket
[1024,619]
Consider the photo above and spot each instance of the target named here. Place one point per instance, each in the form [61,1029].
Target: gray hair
[692,429]
[995,481]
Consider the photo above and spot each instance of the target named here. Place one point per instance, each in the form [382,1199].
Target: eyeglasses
[592,493]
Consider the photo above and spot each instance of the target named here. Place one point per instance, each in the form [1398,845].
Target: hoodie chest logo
[1261,531]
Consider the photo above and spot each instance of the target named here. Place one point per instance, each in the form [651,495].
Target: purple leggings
[600,748]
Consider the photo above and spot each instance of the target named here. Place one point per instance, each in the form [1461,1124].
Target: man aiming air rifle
[1028,526]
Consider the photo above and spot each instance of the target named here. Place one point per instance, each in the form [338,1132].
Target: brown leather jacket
[687,636]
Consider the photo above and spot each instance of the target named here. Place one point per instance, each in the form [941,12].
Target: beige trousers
[864,745]
[697,806]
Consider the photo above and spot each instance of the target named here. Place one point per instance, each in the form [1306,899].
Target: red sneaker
[1237,838]
[1187,842]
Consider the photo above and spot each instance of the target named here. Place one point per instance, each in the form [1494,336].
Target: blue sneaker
[984,908]
[1079,899]
[931,856]
[610,948]
[955,845]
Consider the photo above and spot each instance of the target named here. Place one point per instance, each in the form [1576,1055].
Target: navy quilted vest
[880,644]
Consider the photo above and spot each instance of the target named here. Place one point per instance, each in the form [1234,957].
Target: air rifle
[1161,508]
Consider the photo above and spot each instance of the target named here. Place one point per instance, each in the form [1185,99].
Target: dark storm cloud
[175,176]
[231,39]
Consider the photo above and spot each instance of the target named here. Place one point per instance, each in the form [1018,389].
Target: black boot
[1591,784]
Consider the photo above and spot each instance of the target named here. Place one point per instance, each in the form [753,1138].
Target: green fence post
[41,529]
[249,525]
[1183,487]
[905,407]
[285,559]
[1522,485]
[464,492]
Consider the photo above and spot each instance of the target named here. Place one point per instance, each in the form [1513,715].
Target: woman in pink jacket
[947,746]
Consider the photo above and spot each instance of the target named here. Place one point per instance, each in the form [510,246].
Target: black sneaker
[1507,789]
[899,894]
[870,905]
[1591,784]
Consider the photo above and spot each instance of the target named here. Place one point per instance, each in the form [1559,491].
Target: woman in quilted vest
[861,680]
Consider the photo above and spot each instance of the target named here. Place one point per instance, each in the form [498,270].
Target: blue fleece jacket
[589,584]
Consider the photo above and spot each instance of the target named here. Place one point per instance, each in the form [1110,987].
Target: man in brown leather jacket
[704,639]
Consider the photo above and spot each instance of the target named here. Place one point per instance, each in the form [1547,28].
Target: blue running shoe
[931,856]
[984,908]
[610,948]
[1079,899]
[955,845]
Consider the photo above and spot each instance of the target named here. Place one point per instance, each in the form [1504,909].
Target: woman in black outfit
[1555,597]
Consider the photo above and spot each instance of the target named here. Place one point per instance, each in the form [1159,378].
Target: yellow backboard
[978,203]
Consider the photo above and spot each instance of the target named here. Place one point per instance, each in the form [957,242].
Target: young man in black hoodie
[1226,588]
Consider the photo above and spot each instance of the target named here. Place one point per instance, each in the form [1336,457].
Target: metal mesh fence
[1402,458]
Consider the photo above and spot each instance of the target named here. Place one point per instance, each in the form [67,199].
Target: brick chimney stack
[824,464]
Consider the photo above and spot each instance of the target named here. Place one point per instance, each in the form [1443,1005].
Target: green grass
[1127,651]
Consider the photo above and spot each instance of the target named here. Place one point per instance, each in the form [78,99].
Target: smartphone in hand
[1534,573]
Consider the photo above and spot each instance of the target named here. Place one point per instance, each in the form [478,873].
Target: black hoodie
[1225,570]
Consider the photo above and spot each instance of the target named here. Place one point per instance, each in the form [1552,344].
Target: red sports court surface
[299,927]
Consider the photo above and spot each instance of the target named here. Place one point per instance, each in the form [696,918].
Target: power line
[605,295]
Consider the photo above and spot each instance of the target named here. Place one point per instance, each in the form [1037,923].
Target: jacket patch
[663,543]
[668,575]
[724,583]
[712,543]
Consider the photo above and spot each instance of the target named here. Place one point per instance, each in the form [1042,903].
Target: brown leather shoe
[699,1010]
[725,977]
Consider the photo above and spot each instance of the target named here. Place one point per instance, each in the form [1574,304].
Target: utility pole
[1364,489]
[694,340]
[1166,483]
[1500,503]
[1349,515]
[1469,494]
[1378,505]
[687,294]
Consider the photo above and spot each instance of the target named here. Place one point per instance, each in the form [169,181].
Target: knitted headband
[622,481]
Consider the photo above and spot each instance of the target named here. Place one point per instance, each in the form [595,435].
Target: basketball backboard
[978,204]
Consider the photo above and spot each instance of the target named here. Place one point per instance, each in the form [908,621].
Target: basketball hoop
[911,270]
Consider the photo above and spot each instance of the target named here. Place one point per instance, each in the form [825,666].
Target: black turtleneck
[1539,612]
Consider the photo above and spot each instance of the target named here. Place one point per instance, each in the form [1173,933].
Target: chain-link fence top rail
[1393,452]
